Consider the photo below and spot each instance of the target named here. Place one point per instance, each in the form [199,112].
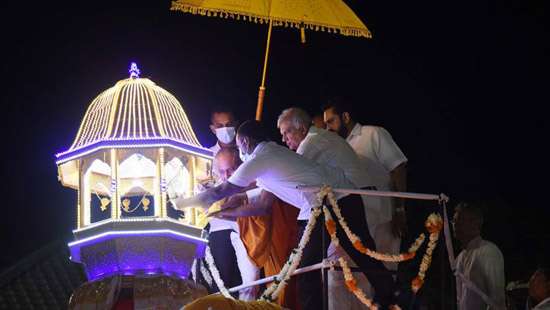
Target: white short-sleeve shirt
[379,154]
[279,170]
[481,263]
[328,148]
[376,147]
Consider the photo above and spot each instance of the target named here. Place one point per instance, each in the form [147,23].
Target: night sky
[461,86]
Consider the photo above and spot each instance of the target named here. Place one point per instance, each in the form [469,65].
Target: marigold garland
[281,280]
[434,224]
[351,284]
[356,241]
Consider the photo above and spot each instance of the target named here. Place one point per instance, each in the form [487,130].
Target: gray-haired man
[330,150]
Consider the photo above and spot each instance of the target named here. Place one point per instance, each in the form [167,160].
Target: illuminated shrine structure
[134,143]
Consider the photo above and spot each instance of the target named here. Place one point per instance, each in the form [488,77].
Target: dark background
[461,85]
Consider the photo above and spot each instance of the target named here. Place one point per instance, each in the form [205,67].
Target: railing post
[324,248]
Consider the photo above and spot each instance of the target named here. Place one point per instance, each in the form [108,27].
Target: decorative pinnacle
[134,71]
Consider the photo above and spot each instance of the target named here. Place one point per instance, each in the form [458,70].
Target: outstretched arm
[208,197]
[241,205]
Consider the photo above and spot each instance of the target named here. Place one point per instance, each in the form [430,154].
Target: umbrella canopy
[320,15]
[333,16]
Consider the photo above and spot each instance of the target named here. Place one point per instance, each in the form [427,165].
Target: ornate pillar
[192,213]
[160,186]
[78,197]
[84,194]
[115,186]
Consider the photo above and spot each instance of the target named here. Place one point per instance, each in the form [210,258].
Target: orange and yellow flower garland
[434,224]
[356,241]
[351,283]
[281,280]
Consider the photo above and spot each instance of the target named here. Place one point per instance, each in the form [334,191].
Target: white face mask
[243,156]
[225,135]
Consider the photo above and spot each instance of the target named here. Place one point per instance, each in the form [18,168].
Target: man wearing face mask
[279,171]
[222,125]
[227,249]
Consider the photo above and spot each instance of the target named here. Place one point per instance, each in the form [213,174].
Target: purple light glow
[134,71]
[129,143]
[144,253]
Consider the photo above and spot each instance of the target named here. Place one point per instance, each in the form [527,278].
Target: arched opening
[178,182]
[137,179]
[97,191]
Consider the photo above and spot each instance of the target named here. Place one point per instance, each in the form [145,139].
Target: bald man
[228,249]
[270,235]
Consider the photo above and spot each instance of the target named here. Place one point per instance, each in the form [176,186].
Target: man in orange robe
[269,238]
[269,241]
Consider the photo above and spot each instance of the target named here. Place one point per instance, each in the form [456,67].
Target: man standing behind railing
[386,165]
[480,265]
[330,150]
[279,171]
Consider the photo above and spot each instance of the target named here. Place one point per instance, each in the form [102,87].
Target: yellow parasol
[333,16]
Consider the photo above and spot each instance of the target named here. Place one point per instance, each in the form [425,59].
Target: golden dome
[134,108]
[134,112]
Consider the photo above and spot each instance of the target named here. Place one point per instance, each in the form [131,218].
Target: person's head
[318,121]
[467,222]
[539,285]
[337,117]
[227,161]
[250,134]
[294,124]
[222,124]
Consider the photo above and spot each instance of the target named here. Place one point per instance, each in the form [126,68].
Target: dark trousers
[225,258]
[309,283]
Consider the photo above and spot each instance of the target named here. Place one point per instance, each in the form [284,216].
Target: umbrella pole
[261,92]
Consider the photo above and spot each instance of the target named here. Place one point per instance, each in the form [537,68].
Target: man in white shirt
[280,171]
[223,126]
[539,290]
[329,149]
[227,249]
[480,265]
[386,165]
[322,146]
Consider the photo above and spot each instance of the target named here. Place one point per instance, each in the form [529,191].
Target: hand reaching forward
[235,201]
[181,203]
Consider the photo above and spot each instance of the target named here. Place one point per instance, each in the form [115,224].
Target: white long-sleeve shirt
[482,264]
[329,149]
